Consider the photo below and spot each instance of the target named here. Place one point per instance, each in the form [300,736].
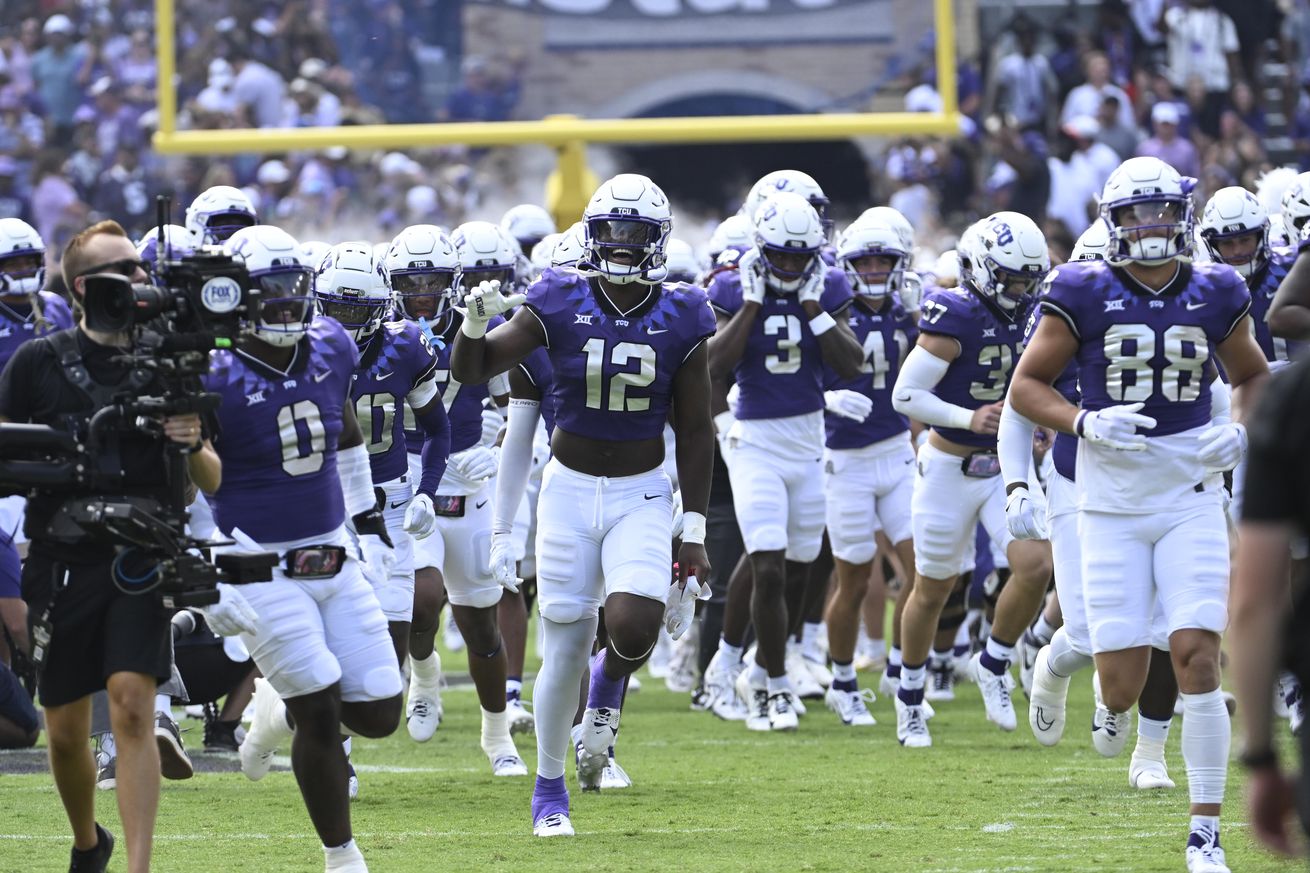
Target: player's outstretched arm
[1052,347]
[478,355]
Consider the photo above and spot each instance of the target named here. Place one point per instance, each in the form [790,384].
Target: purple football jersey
[1156,348]
[780,373]
[395,359]
[277,437]
[613,374]
[887,336]
[989,348]
[18,323]
[1263,287]
[1064,453]
[536,367]
[463,402]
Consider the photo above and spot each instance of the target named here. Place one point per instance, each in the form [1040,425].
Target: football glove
[751,270]
[377,558]
[492,424]
[1222,447]
[1115,427]
[232,614]
[420,517]
[476,464]
[911,290]
[503,567]
[1024,517]
[847,404]
[484,303]
[680,609]
[813,287]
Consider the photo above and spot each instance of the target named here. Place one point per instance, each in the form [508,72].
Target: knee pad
[994,584]
[768,538]
[381,683]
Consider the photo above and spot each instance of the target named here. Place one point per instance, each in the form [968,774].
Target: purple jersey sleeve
[887,336]
[1153,348]
[277,438]
[396,359]
[18,323]
[989,349]
[1262,295]
[463,402]
[613,375]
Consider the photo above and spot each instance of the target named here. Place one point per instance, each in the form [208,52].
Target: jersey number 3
[621,355]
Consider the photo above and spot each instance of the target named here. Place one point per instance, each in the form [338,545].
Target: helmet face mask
[873,254]
[285,284]
[625,232]
[1148,213]
[352,287]
[22,258]
[427,294]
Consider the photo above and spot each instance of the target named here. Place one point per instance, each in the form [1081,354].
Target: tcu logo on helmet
[1004,236]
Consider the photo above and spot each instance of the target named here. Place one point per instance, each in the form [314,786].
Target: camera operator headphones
[64,342]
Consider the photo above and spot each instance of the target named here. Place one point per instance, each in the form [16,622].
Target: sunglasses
[125,267]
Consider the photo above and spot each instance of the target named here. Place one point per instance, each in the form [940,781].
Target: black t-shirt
[34,389]
[1278,464]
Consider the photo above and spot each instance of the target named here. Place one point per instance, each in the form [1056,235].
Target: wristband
[1015,486]
[473,328]
[1078,423]
[693,528]
[821,324]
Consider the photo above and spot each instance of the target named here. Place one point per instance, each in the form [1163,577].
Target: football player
[287,435]
[954,380]
[869,458]
[217,213]
[625,349]
[776,331]
[1145,327]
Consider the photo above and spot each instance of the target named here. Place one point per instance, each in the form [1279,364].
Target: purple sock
[960,651]
[604,693]
[549,796]
[996,666]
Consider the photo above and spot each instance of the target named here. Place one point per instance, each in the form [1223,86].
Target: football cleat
[614,776]
[556,824]
[818,669]
[852,707]
[174,763]
[781,711]
[106,771]
[424,711]
[1204,854]
[1109,729]
[911,726]
[265,733]
[520,720]
[995,693]
[1029,646]
[507,765]
[599,728]
[941,680]
[1145,774]
[590,767]
[757,702]
[1046,705]
[720,684]
[801,677]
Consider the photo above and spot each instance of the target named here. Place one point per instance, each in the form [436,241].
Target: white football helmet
[681,261]
[570,246]
[1008,260]
[529,224]
[895,218]
[539,257]
[734,232]
[351,286]
[789,235]
[1148,194]
[314,251]
[218,213]
[1295,207]
[485,252]
[873,238]
[285,284]
[1093,244]
[1270,188]
[1233,212]
[793,181]
[424,268]
[177,242]
[625,229]
[22,258]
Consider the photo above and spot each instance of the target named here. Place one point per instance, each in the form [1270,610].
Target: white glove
[847,404]
[1024,517]
[911,290]
[1222,446]
[677,514]
[485,302]
[232,614]
[1115,427]
[492,424]
[814,285]
[476,464]
[680,609]
[420,517]
[752,276]
[377,558]
[503,567]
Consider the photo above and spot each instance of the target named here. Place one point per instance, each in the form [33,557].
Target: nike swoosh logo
[1043,723]
[319,377]
[650,496]
[1192,306]
[480,505]
[654,332]
[379,377]
[398,505]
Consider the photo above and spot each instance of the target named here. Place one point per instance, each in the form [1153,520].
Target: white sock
[912,677]
[962,634]
[1000,651]
[810,639]
[555,693]
[164,704]
[1062,660]
[341,857]
[1204,823]
[894,657]
[778,684]
[731,652]
[1151,737]
[495,733]
[875,648]
[426,671]
[1043,630]
[758,676]
[843,672]
[345,746]
[1207,735]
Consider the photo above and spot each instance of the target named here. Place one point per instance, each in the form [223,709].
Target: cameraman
[100,637]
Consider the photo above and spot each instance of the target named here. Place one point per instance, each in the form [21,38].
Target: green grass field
[708,795]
